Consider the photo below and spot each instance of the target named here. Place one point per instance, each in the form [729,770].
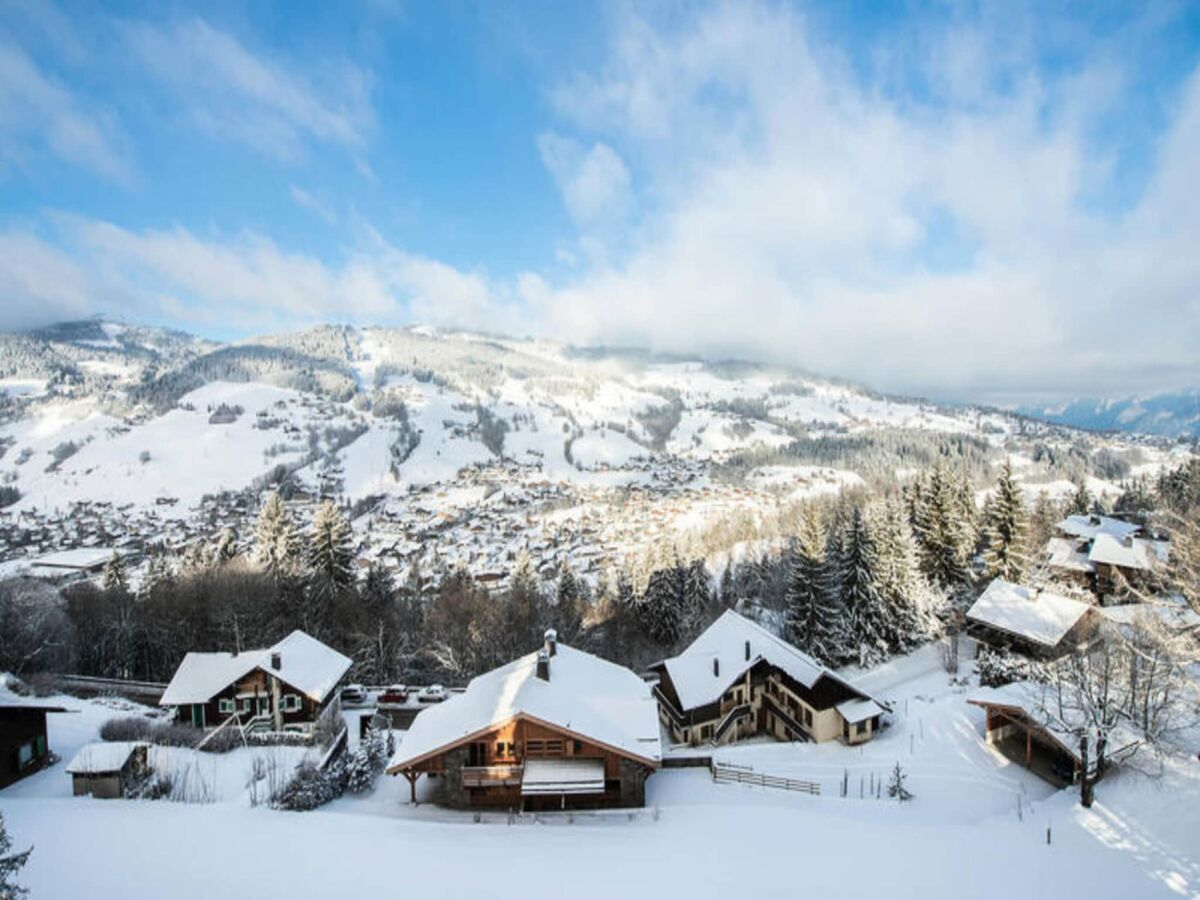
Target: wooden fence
[723,774]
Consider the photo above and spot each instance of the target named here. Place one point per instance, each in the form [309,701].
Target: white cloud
[242,282]
[228,91]
[801,211]
[38,113]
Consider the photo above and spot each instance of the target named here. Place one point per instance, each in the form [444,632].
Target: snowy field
[976,828]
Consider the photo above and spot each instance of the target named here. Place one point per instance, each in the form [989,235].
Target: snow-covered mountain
[1174,414]
[463,448]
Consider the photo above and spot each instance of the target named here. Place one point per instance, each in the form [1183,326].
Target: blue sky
[963,200]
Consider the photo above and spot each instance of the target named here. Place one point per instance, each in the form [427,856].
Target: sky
[996,202]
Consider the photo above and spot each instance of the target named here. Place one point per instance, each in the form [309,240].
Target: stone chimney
[551,637]
[276,660]
[716,667]
[543,665]
[747,651]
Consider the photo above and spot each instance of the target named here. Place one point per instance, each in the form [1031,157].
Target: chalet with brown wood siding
[555,729]
[285,687]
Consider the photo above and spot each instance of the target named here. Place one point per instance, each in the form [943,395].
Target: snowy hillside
[115,435]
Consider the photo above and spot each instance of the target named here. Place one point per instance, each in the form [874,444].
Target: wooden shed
[24,748]
[105,769]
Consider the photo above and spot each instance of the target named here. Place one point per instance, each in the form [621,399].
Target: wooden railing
[728,775]
[730,718]
[672,713]
[492,776]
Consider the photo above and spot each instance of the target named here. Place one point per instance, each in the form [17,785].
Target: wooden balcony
[492,776]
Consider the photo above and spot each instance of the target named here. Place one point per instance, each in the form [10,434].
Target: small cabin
[105,770]
[24,748]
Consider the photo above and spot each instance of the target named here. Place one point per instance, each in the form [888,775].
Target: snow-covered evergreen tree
[1004,530]
[330,549]
[114,580]
[811,622]
[569,605]
[905,593]
[276,544]
[661,609]
[1081,501]
[225,547]
[526,614]
[944,529]
[859,584]
[697,595]
[10,864]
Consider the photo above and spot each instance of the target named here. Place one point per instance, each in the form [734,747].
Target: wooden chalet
[285,687]
[737,680]
[1030,620]
[556,729]
[24,748]
[1105,554]
[105,770]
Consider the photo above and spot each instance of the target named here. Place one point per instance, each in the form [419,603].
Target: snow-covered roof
[735,643]
[102,757]
[77,558]
[1090,526]
[306,664]
[588,696]
[854,711]
[1065,726]
[1172,615]
[1132,553]
[1036,615]
[1065,553]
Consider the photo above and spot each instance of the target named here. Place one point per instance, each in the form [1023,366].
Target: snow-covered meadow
[977,827]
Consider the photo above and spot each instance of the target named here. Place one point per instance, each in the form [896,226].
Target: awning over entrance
[562,776]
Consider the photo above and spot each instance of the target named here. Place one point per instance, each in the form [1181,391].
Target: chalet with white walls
[737,680]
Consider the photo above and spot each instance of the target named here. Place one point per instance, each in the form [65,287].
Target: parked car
[435,693]
[355,695]
[395,693]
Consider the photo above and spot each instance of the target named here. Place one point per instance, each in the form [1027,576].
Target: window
[225,706]
[576,747]
[291,702]
[245,704]
[25,755]
[808,717]
[860,727]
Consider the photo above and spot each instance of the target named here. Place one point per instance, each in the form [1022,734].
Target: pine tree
[276,544]
[660,610]
[114,580]
[806,593]
[944,529]
[859,581]
[330,551]
[697,595]
[1004,553]
[897,786]
[1081,502]
[569,606]
[904,590]
[10,865]
[225,548]
[526,613]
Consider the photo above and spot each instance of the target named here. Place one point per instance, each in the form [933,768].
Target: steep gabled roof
[1089,526]
[724,651]
[585,695]
[1132,553]
[306,664]
[1035,615]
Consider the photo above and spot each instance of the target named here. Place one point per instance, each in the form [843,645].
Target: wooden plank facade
[486,769]
[24,748]
[259,697]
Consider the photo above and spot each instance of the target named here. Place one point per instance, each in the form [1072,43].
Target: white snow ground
[960,837]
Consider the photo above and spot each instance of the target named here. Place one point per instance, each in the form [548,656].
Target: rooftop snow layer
[736,644]
[305,663]
[102,757]
[1036,615]
[1090,526]
[585,695]
[1134,554]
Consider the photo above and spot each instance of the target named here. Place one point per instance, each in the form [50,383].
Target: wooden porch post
[1028,749]
[411,776]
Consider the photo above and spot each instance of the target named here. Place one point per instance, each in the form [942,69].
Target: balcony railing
[492,776]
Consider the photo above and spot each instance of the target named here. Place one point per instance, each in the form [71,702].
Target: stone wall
[633,783]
